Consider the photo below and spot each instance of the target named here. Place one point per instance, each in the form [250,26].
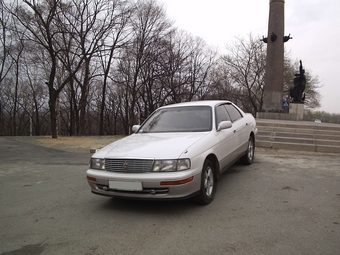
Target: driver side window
[233,112]
[221,114]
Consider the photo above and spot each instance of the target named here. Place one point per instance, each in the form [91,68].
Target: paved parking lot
[285,203]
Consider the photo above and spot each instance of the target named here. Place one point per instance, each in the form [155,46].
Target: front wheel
[248,157]
[208,184]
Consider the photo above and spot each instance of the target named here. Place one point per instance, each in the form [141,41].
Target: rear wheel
[208,184]
[248,157]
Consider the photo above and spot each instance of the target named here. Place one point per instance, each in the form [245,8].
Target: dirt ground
[80,144]
[284,203]
[86,144]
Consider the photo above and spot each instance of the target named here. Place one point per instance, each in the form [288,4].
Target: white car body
[219,147]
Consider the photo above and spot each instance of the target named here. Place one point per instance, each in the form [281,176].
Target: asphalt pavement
[284,203]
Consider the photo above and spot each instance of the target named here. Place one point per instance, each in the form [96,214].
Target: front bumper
[160,185]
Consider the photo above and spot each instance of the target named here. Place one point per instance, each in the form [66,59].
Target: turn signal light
[180,182]
[92,179]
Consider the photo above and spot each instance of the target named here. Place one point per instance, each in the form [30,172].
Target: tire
[248,157]
[208,184]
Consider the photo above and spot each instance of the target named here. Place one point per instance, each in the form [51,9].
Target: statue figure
[273,37]
[296,91]
[286,38]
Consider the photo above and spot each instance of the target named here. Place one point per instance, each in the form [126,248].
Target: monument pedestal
[276,116]
[297,109]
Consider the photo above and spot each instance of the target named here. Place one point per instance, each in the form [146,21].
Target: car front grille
[128,165]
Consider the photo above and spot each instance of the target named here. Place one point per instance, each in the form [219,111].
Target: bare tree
[91,23]
[154,91]
[174,64]
[200,62]
[5,40]
[16,56]
[246,63]
[149,25]
[42,28]
[116,39]
[221,85]
[5,61]
[35,99]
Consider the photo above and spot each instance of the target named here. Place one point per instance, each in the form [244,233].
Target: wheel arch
[213,159]
[252,134]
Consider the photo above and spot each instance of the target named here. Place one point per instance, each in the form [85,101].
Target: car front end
[144,185]
[143,166]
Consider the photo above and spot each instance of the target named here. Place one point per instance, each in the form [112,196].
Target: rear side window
[233,112]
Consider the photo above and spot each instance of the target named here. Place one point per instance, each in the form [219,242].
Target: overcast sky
[313,24]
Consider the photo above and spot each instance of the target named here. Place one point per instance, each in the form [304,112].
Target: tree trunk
[53,113]
[102,107]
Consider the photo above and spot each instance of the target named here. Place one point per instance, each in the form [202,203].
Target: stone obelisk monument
[273,89]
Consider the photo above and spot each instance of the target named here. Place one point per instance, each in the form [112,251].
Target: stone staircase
[298,135]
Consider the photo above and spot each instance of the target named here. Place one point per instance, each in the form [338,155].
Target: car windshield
[179,119]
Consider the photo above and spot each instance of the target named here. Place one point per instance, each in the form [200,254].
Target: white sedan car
[179,152]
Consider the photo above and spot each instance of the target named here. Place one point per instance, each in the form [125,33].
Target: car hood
[160,146]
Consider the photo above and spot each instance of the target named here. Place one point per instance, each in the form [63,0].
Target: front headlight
[171,165]
[97,163]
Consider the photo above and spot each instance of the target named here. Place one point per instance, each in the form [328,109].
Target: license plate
[123,185]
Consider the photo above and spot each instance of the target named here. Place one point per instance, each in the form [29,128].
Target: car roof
[198,103]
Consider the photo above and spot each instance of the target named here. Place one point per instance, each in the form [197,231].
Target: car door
[227,138]
[240,128]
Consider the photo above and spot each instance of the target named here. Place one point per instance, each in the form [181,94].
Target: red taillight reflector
[92,179]
[167,183]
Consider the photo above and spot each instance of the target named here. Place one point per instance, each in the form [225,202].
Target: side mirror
[135,128]
[224,125]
